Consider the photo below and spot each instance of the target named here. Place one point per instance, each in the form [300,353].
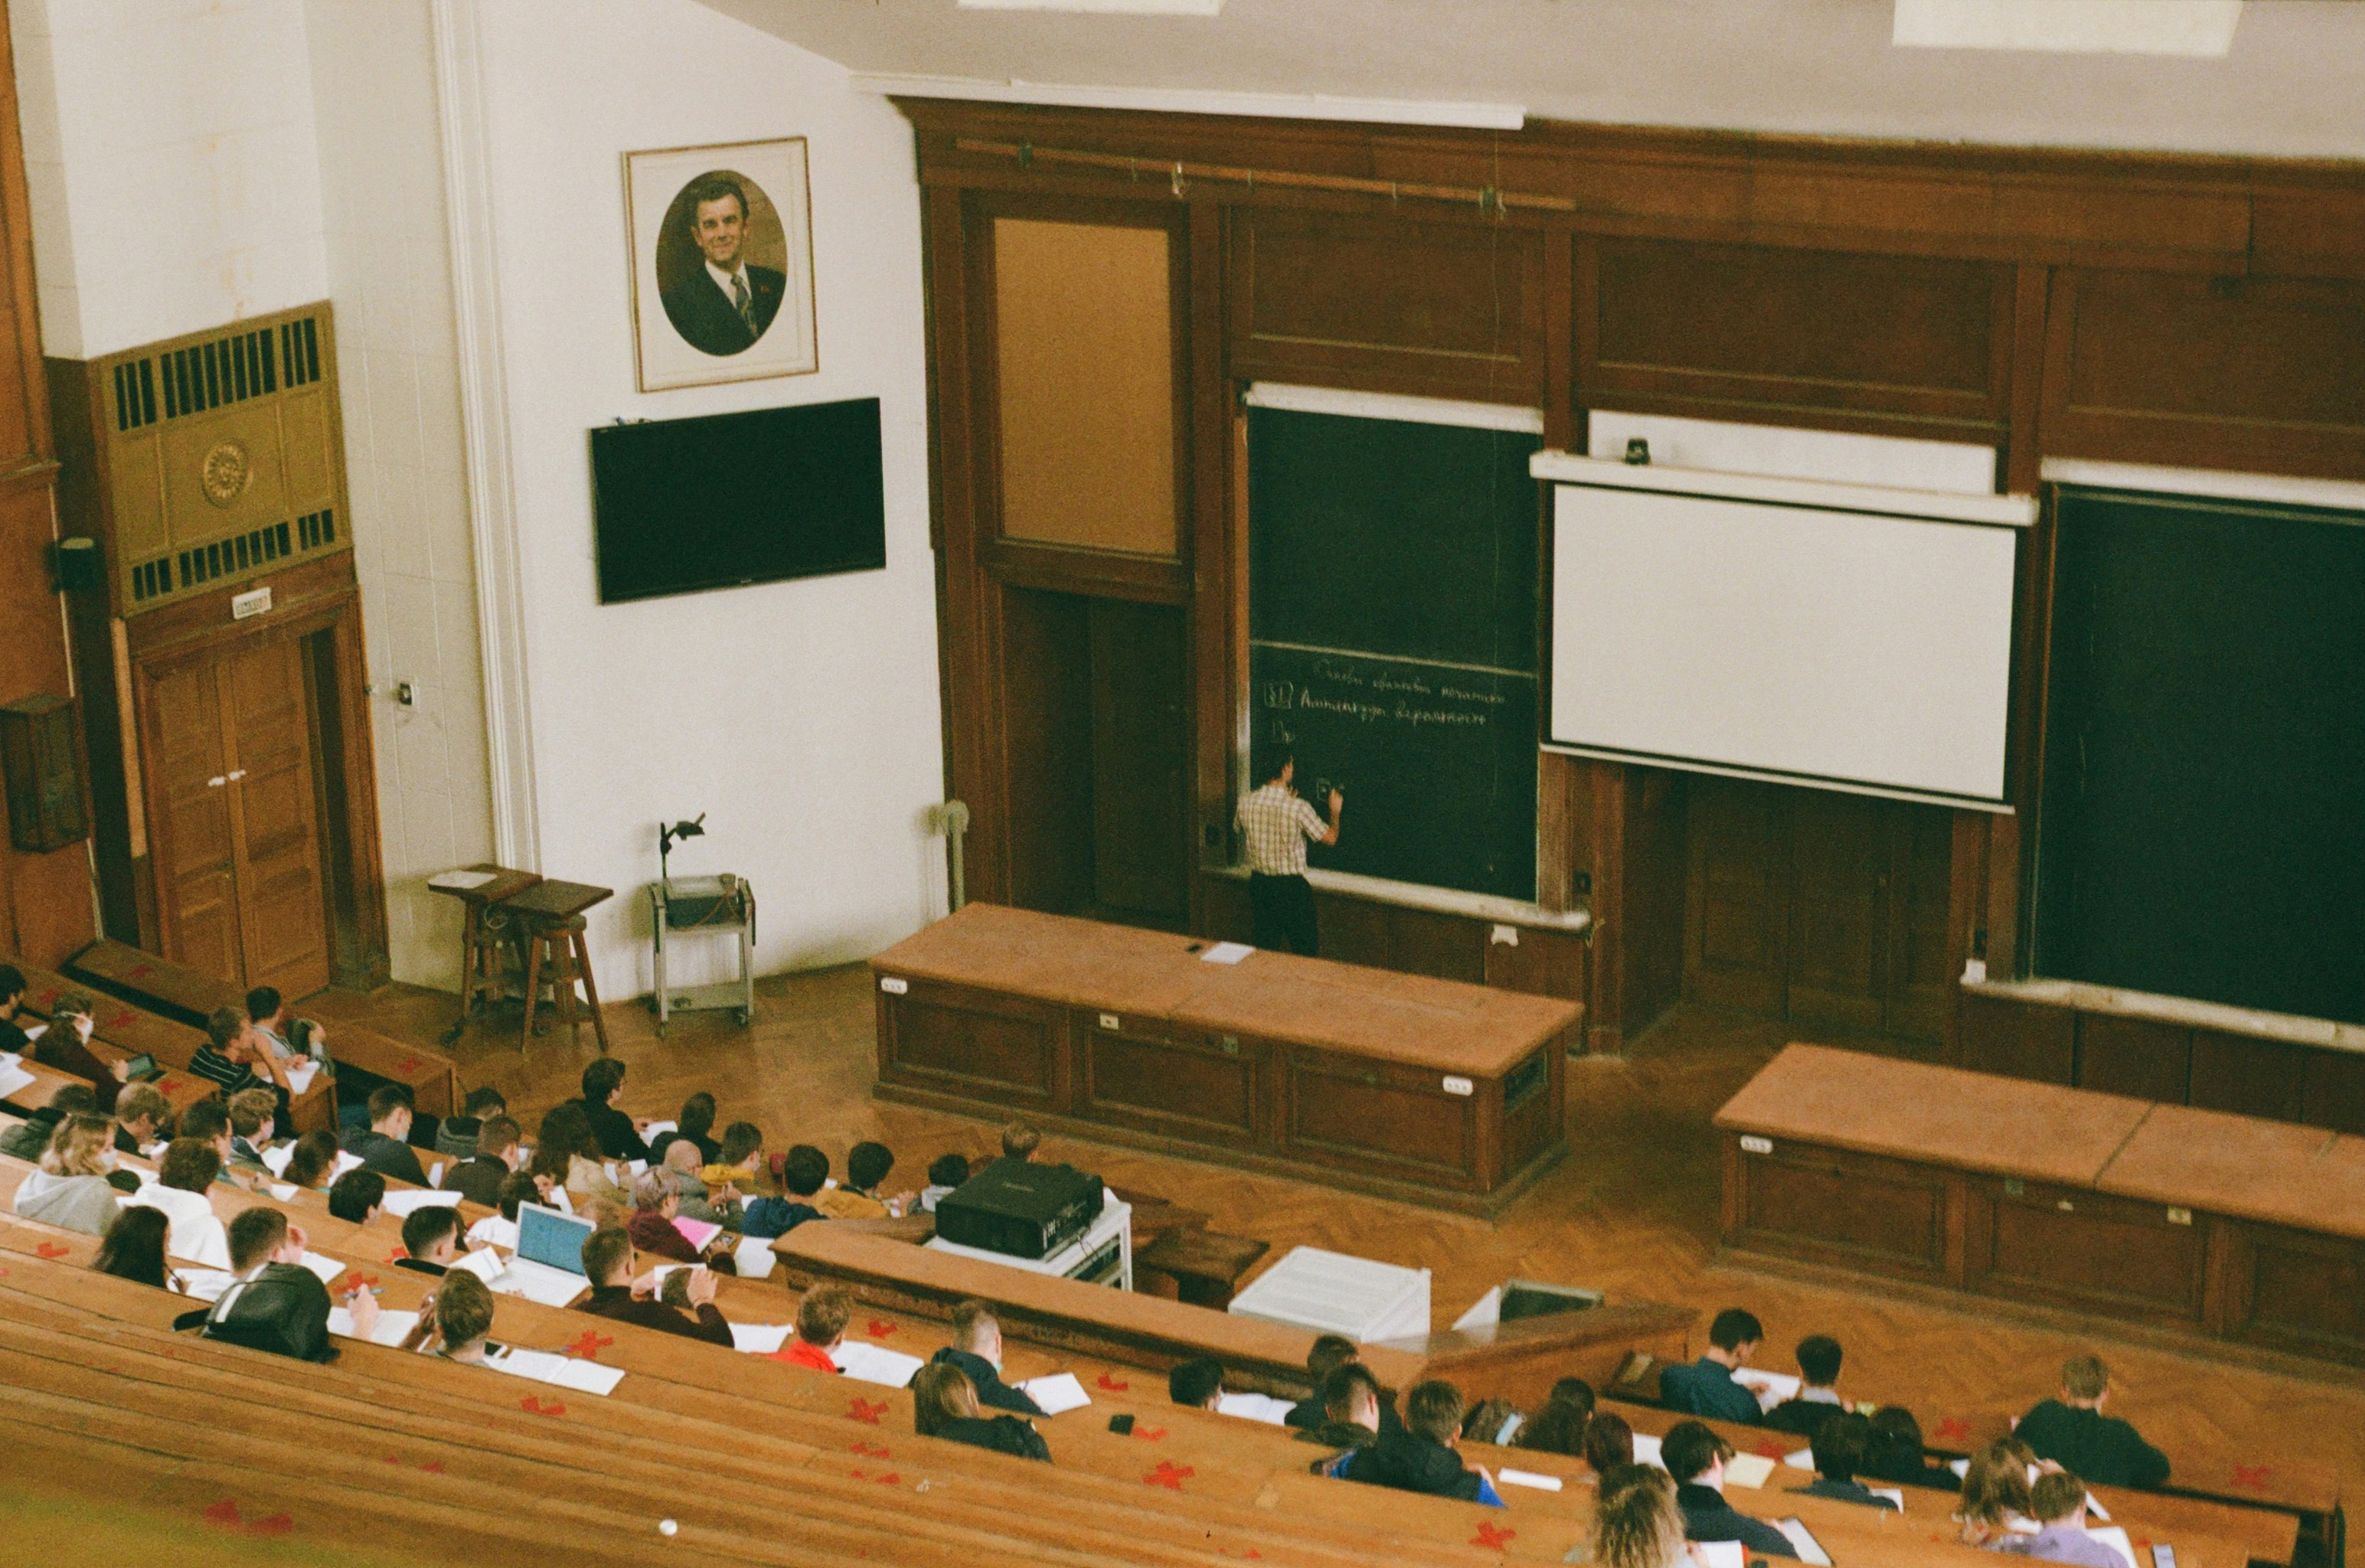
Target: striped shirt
[1277,822]
[232,1076]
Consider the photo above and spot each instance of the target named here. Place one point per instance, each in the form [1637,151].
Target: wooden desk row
[182,994]
[123,1032]
[2241,1230]
[1427,1090]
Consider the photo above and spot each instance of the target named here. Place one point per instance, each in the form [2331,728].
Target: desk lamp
[666,836]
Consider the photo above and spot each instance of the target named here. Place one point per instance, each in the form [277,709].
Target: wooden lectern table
[2228,1226]
[1427,1090]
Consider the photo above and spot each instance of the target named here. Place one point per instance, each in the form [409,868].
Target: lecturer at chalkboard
[1276,823]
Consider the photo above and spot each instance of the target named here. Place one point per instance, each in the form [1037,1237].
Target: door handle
[217,781]
[237,776]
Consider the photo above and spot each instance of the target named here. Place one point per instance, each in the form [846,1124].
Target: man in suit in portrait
[724,305]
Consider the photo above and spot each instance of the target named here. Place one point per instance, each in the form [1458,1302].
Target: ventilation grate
[299,350]
[203,564]
[135,394]
[224,370]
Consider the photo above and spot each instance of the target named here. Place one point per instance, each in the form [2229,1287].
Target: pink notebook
[698,1232]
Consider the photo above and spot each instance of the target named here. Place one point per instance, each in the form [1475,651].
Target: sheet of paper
[1810,1551]
[391,1329]
[1527,1478]
[283,1191]
[459,881]
[1255,1408]
[1058,1394]
[759,1338]
[651,1131]
[329,1269]
[1720,1553]
[755,1257]
[1805,1459]
[277,1156]
[345,1162]
[1646,1449]
[1961,1467]
[484,1263]
[1770,1387]
[435,1174]
[15,1079]
[867,1362]
[204,1243]
[404,1202]
[1894,1493]
[1484,1312]
[2094,1509]
[301,1075]
[2115,1538]
[638,1167]
[203,1285]
[697,1232]
[566,1371]
[1226,953]
[1750,1469]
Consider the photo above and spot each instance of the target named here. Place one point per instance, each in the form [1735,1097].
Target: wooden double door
[1825,909]
[234,815]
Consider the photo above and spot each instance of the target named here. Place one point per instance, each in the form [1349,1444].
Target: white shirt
[494,1230]
[196,1234]
[723,281]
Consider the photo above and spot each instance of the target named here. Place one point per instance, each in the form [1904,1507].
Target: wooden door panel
[281,916]
[1920,875]
[1141,803]
[1736,924]
[189,820]
[1839,864]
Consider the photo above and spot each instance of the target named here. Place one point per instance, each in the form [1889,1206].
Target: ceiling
[2294,84]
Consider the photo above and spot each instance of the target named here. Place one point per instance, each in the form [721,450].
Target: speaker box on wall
[40,761]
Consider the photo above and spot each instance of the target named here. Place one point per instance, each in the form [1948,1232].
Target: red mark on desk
[1150,1434]
[1950,1430]
[588,1348]
[1169,1475]
[1111,1385]
[139,971]
[879,1328]
[52,1248]
[532,1406]
[864,1411]
[1493,1535]
[1772,1450]
[224,1515]
[121,1016]
[2253,1476]
[408,1064]
[868,1450]
[355,1280]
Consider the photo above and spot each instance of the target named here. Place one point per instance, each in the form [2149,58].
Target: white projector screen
[1749,630]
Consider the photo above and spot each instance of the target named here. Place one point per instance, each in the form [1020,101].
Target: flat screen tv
[685,505]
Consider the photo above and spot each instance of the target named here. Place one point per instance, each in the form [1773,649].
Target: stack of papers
[329,1269]
[1255,1408]
[567,1372]
[494,1231]
[404,1202]
[391,1329]
[1056,1393]
[759,1338]
[1720,1553]
[875,1363]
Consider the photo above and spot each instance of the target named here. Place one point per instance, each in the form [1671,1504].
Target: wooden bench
[1206,1266]
[122,1031]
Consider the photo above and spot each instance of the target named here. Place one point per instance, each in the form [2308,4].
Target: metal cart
[723,905]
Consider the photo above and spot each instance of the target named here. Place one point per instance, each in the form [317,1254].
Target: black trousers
[1282,908]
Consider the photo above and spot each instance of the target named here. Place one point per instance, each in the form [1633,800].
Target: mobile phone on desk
[1123,1426]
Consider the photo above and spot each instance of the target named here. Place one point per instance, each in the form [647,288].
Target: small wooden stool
[484,931]
[548,918]
[556,951]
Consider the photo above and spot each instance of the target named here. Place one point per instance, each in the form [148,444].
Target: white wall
[801,717]
[389,270]
[169,148]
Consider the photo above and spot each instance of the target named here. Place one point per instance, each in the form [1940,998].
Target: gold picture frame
[722,263]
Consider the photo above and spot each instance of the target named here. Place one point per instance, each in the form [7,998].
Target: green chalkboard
[2202,827]
[1392,623]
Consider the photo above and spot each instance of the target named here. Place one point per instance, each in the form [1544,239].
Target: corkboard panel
[1084,355]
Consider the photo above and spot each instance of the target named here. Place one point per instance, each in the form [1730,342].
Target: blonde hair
[1635,1521]
[78,1146]
[941,1393]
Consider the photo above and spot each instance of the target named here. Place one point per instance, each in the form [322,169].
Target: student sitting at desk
[616,1295]
[821,1318]
[1197,1383]
[188,1168]
[2072,1431]
[254,1118]
[1695,1457]
[462,1137]
[1422,1457]
[739,1160]
[29,1138]
[1817,1396]
[209,1119]
[946,1174]
[311,1162]
[1636,1523]
[1995,1503]
[133,1248]
[1608,1443]
[1351,1411]
[1326,1355]
[431,1236]
[276,1304]
[656,1202]
[802,1171]
[1897,1457]
[977,1351]
[867,1166]
[69,1188]
[500,1228]
[695,1123]
[12,1038]
[233,1052]
[383,1146]
[356,1196]
[479,1177]
[141,1115]
[2060,1503]
[462,1319]
[64,1045]
[1560,1425]
[618,1134]
[1839,1448]
[945,1405]
[1707,1386]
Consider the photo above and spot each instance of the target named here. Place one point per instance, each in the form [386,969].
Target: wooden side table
[480,936]
[550,921]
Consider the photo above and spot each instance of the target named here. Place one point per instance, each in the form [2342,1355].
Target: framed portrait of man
[722,287]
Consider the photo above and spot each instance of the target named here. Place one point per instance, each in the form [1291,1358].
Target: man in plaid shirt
[1276,823]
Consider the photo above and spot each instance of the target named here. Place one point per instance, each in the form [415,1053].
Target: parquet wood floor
[1633,1210]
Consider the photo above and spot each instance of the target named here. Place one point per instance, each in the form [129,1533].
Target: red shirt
[796,1352]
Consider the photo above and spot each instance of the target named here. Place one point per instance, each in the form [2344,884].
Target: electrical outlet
[405,694]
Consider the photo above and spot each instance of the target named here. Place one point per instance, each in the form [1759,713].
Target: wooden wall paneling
[961,663]
[1219,627]
[1838,887]
[1560,880]
[2004,898]
[1047,760]
[1750,332]
[1919,948]
[2248,1077]
[2135,1057]
[359,951]
[2018,1040]
[2250,374]
[24,435]
[1545,963]
[1404,304]
[2332,1091]
[1140,762]
[2020,457]
[1737,908]
[1653,876]
[1966,919]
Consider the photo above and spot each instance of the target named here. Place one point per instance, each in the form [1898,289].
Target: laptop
[548,1265]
